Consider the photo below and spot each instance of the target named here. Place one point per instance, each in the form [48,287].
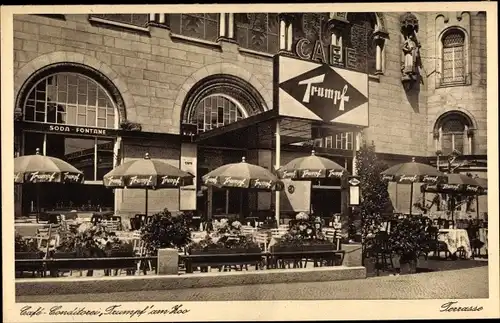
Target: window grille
[454,57]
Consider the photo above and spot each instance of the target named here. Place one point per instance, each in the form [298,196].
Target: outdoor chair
[438,246]
[378,249]
[475,243]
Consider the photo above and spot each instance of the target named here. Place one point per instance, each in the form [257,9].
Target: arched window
[216,111]
[258,31]
[196,25]
[72,99]
[359,36]
[77,111]
[453,134]
[453,57]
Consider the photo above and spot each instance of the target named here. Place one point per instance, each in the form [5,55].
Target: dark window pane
[104,157]
[32,141]
[79,152]
[257,31]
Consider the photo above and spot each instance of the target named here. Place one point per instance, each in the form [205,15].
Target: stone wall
[397,118]
[152,71]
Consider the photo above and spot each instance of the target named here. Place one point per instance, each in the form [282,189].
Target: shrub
[409,237]
[375,199]
[166,231]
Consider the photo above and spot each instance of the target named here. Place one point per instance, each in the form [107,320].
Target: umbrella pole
[477,206]
[411,197]
[37,188]
[241,205]
[146,209]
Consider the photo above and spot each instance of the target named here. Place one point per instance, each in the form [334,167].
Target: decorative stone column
[286,32]
[226,27]
[469,136]
[379,38]
[160,20]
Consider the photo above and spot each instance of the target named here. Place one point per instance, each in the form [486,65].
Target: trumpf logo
[72,177]
[310,173]
[262,184]
[335,173]
[413,178]
[336,96]
[36,176]
[234,182]
[170,180]
[430,179]
[141,181]
[114,180]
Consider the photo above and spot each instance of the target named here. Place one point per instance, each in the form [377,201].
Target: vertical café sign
[326,53]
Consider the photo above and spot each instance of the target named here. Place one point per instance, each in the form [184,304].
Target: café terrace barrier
[262,260]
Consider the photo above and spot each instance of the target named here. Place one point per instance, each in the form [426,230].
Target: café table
[456,239]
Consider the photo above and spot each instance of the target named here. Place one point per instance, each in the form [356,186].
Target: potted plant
[130,126]
[166,231]
[408,238]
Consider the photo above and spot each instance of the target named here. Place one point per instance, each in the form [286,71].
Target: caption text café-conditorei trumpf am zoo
[203,90]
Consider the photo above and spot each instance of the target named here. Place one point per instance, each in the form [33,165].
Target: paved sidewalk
[452,284]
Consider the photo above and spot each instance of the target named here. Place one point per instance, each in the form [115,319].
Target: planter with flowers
[302,236]
[226,246]
[91,241]
[27,250]
[227,238]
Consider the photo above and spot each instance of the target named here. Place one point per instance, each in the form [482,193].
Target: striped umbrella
[413,172]
[457,184]
[311,167]
[243,175]
[38,169]
[44,169]
[147,173]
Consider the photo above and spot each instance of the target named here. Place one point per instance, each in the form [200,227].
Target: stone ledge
[90,285]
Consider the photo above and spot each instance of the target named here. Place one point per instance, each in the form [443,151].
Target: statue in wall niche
[411,50]
[411,53]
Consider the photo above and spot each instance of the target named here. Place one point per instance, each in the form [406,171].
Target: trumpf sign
[317,91]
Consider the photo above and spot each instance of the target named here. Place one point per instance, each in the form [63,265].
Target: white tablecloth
[454,239]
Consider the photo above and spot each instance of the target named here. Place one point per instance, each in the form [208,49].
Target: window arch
[218,100]
[453,133]
[453,56]
[218,110]
[258,31]
[70,98]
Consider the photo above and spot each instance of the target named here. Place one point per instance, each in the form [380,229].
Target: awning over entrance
[258,131]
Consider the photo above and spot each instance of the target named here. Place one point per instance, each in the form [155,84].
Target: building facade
[98,90]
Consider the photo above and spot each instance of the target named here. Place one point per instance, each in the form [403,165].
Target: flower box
[219,251]
[22,266]
[301,248]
